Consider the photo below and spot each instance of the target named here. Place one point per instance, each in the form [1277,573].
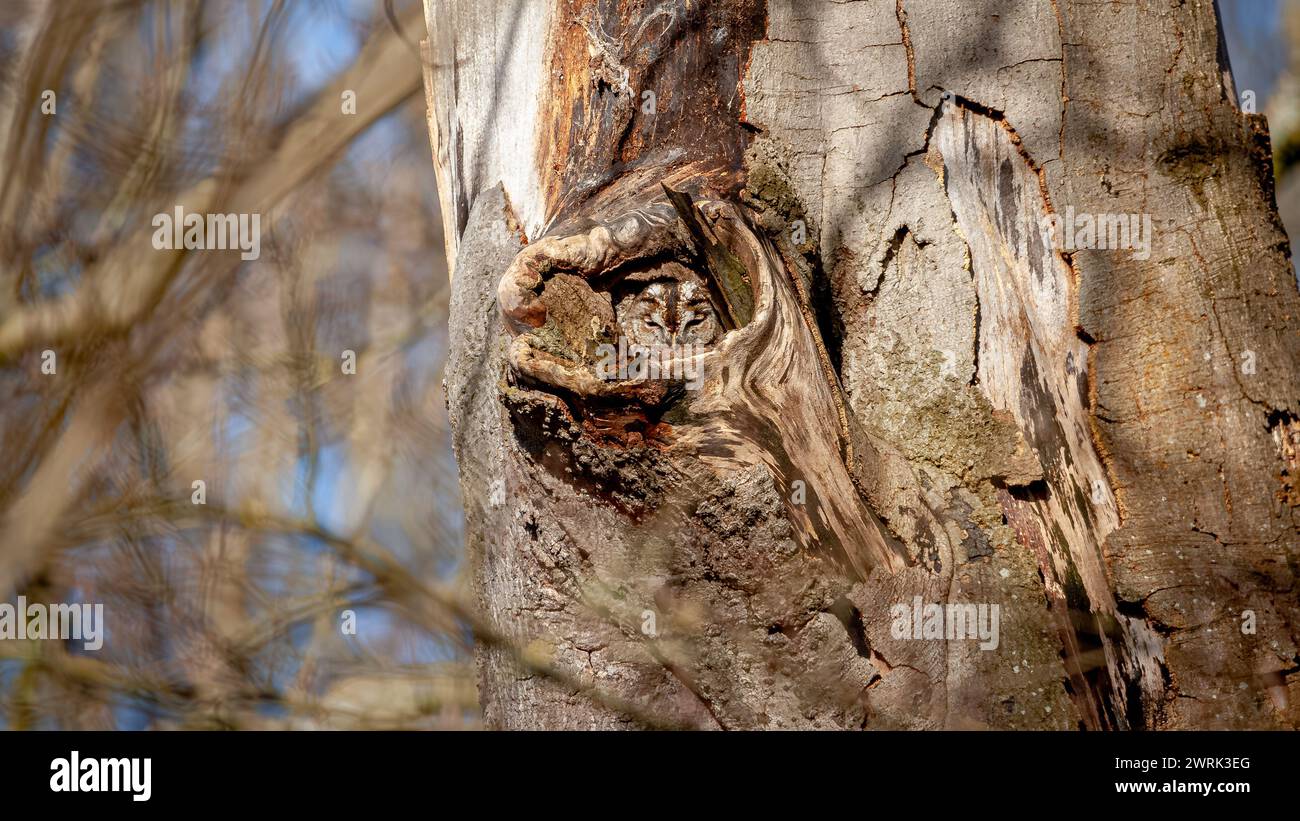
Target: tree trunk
[951,461]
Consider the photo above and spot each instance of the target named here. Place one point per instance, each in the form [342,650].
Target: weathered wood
[978,416]
[573,580]
[1033,365]
[1187,427]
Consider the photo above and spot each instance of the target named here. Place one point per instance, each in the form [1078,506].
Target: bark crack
[901,13]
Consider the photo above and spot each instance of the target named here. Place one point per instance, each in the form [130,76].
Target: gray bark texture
[932,403]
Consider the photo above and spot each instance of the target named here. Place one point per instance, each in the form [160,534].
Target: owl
[668,312]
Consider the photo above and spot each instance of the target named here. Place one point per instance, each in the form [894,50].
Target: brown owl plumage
[669,310]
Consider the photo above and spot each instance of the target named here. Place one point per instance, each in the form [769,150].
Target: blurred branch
[437,607]
[121,290]
[444,684]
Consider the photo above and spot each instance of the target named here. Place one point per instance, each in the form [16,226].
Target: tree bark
[923,396]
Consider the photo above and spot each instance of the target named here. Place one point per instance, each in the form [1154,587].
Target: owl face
[668,312]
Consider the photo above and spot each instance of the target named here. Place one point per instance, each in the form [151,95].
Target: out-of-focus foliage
[325,491]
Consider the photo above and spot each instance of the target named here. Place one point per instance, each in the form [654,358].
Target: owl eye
[649,323]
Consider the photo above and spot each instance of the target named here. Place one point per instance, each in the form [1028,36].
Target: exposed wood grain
[977,416]
[1032,364]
